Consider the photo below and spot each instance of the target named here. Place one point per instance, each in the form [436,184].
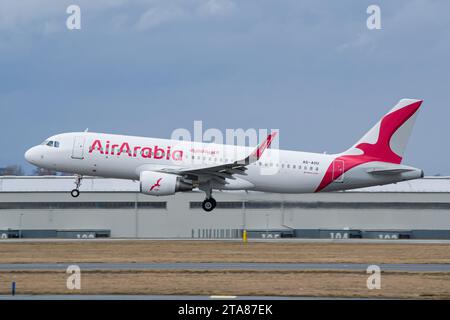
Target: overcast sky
[309,68]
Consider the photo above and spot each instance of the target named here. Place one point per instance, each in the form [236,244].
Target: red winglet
[263,146]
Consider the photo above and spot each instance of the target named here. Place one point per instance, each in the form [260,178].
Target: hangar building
[41,207]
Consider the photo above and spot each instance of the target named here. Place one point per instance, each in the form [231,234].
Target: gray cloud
[310,68]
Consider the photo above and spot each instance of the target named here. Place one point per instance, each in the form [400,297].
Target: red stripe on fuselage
[379,151]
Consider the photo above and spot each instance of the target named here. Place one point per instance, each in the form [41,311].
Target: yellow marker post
[244,235]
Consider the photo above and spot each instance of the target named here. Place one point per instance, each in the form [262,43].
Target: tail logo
[379,151]
[389,125]
[156,185]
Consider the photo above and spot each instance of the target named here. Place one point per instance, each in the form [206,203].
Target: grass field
[216,251]
[232,282]
[226,282]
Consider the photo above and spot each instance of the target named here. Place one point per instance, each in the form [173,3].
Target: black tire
[209,204]
[75,193]
[214,202]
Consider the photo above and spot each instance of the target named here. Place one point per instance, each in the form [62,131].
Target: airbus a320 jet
[165,167]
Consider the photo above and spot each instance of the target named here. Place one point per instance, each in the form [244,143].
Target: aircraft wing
[221,172]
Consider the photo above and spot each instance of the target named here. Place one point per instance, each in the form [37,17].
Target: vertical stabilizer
[387,140]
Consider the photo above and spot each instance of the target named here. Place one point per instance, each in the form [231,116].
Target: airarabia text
[146,152]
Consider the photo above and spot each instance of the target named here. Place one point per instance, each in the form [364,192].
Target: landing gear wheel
[209,204]
[75,193]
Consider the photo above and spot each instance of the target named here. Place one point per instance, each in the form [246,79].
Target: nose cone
[31,155]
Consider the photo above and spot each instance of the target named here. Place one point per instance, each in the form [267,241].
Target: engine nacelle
[162,184]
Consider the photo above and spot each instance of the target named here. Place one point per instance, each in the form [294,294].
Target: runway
[229,266]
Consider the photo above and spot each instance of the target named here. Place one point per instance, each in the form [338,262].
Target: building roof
[93,184]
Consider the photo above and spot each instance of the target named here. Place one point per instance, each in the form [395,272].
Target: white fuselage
[281,171]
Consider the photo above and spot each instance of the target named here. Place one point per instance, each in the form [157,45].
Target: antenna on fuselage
[86,130]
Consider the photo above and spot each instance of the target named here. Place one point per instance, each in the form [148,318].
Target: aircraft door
[338,171]
[78,148]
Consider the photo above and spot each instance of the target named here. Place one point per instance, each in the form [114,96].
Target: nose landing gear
[76,192]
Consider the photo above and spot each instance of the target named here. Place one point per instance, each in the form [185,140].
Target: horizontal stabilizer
[388,171]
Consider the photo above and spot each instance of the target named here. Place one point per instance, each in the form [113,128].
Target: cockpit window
[54,144]
[48,143]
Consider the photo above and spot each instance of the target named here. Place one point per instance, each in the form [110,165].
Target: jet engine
[162,184]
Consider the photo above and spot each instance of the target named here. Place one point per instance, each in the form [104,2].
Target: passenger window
[288,166]
[293,166]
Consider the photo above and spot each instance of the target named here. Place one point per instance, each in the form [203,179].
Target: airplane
[164,167]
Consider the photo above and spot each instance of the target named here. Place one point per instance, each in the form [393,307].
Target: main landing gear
[209,203]
[76,192]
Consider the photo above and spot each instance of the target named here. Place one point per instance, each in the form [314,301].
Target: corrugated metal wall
[131,215]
